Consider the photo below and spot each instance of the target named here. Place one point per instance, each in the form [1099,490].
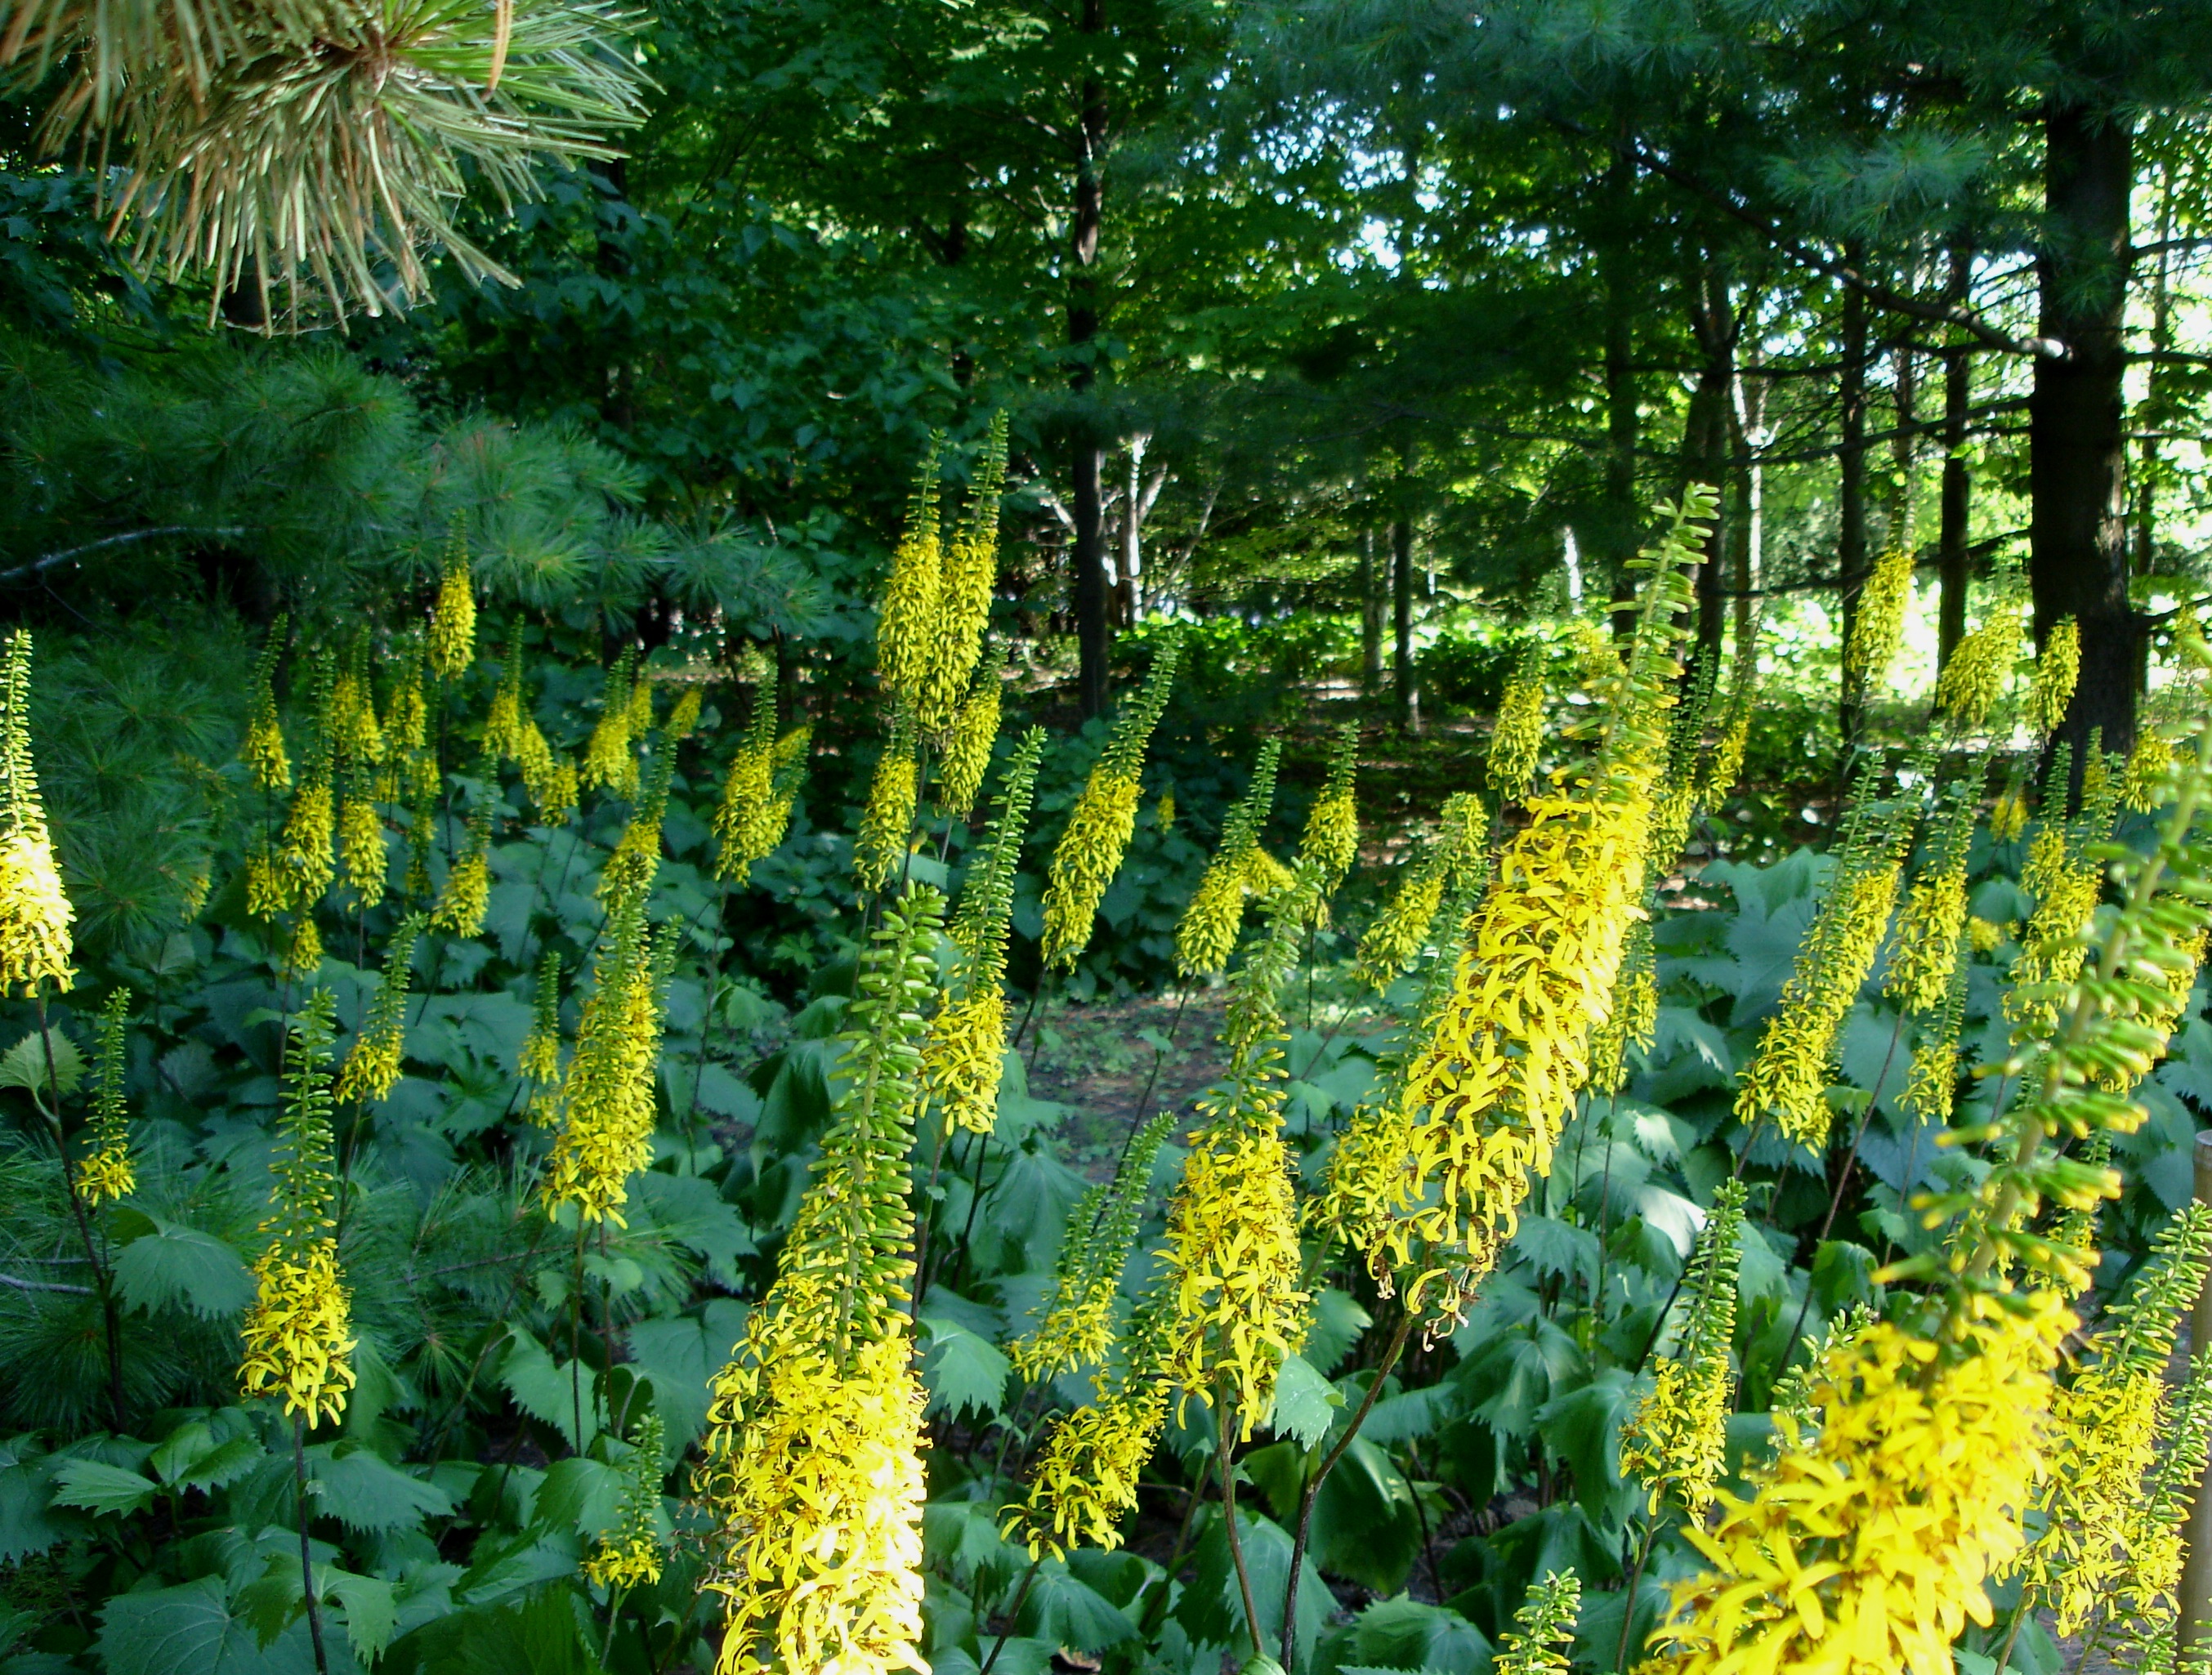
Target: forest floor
[1113,1063]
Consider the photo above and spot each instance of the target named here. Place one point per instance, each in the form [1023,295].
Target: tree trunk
[1851,479]
[1623,517]
[1905,452]
[1370,618]
[1705,449]
[1402,613]
[1750,417]
[1093,637]
[2077,431]
[1958,486]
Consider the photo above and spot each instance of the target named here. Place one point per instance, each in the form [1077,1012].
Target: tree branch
[39,567]
[43,1285]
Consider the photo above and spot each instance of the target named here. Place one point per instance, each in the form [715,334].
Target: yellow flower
[1090,850]
[1634,1019]
[354,730]
[34,910]
[907,619]
[2150,762]
[1330,839]
[965,1052]
[1401,931]
[407,727]
[684,719]
[755,806]
[1725,766]
[1518,733]
[812,1471]
[548,781]
[540,1059]
[2009,817]
[629,1555]
[1974,678]
[1880,625]
[371,1067]
[303,956]
[2056,672]
[1931,1085]
[304,863]
[2066,880]
[106,1172]
[1207,933]
[454,622]
[608,759]
[1163,811]
[1085,1480]
[963,595]
[639,720]
[361,843]
[1870,1546]
[607,1098]
[1545,1628]
[502,734]
[1788,1077]
[298,1332]
[1927,944]
[461,904]
[1077,1327]
[1676,1443]
[887,822]
[630,870]
[262,751]
[968,751]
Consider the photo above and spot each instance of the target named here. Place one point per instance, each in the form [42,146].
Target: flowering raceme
[630,1555]
[607,1098]
[540,1059]
[1880,624]
[371,1068]
[887,821]
[1927,944]
[609,761]
[1974,679]
[1544,1628]
[1518,735]
[298,1332]
[965,1052]
[968,746]
[1090,850]
[812,1469]
[1401,931]
[963,596]
[262,750]
[1677,1441]
[2056,672]
[1330,839]
[35,916]
[1077,1327]
[1206,934]
[106,1171]
[360,847]
[1085,1480]
[462,903]
[454,621]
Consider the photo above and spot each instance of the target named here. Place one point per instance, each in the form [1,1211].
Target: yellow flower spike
[1076,1328]
[304,860]
[262,750]
[1091,847]
[1879,627]
[540,1061]
[1974,679]
[1400,932]
[812,1470]
[1086,1480]
[1931,1085]
[35,916]
[887,823]
[747,825]
[608,761]
[371,1067]
[684,719]
[965,1052]
[106,1171]
[1330,839]
[1163,811]
[2055,673]
[639,719]
[607,1098]
[408,726]
[1544,1628]
[462,903]
[630,1555]
[635,863]
[1507,1047]
[907,619]
[1518,734]
[963,597]
[1676,1443]
[452,640]
[1634,1020]
[298,1332]
[967,750]
[1206,935]
[1935,914]
[503,722]
[355,733]
[303,954]
[361,846]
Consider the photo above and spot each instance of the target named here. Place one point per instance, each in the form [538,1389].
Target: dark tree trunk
[1402,613]
[1094,640]
[2077,431]
[1619,536]
[1905,452]
[1370,618]
[1958,485]
[1851,479]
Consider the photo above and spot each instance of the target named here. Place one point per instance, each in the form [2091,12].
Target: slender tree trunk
[1402,613]
[2077,429]
[1623,414]
[1094,640]
[1905,452]
[1705,447]
[2154,411]
[1133,512]
[1750,415]
[1851,478]
[1958,485]
[1370,618]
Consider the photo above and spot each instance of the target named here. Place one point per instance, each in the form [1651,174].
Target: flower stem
[307,1553]
[101,1281]
[1013,1613]
[1227,1415]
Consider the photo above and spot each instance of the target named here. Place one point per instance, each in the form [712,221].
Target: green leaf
[181,1267]
[688,1210]
[542,1389]
[1583,1427]
[1064,1612]
[367,1492]
[189,1631]
[1406,1633]
[538,1635]
[1338,1320]
[192,1457]
[964,1372]
[1306,1403]
[371,1614]
[99,1487]
[24,1065]
[579,1495]
[27,1522]
[272,1599]
[1553,1246]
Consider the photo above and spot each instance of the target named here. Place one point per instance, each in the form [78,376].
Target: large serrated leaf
[181,1267]
[97,1487]
[25,1066]
[367,1492]
[1306,1403]
[965,1374]
[189,1631]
